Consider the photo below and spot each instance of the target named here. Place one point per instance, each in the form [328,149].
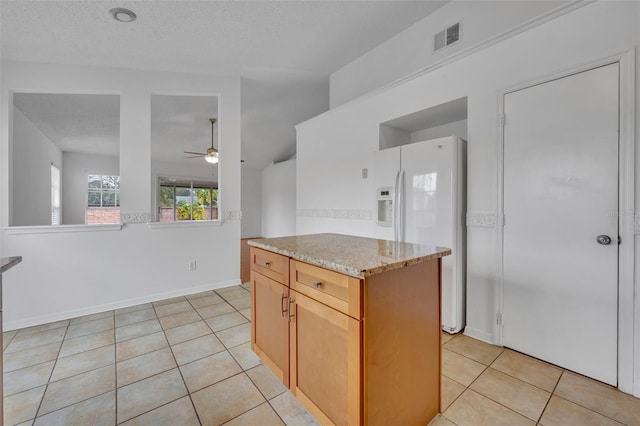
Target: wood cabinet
[269,311]
[245,259]
[325,361]
[358,351]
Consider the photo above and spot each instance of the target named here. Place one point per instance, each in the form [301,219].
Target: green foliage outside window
[188,202]
[185,212]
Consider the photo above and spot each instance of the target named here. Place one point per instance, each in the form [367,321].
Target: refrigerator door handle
[402,210]
[396,206]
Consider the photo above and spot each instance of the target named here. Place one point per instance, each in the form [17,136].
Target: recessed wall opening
[184,135]
[65,159]
[446,119]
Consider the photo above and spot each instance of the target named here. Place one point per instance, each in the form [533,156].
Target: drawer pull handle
[290,314]
[267,264]
[317,284]
[282,306]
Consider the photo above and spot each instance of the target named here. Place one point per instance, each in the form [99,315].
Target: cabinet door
[325,361]
[270,324]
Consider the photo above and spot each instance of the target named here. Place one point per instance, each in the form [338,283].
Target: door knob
[605,240]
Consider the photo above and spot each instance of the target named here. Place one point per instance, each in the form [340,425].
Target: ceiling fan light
[212,159]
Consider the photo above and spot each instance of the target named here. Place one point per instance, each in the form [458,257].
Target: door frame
[628,225]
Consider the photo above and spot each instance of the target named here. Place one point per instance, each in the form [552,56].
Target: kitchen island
[351,325]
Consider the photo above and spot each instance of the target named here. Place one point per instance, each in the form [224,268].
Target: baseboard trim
[478,334]
[58,316]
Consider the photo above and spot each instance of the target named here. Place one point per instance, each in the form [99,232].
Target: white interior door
[560,194]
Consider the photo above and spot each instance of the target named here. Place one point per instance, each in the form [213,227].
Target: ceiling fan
[211,156]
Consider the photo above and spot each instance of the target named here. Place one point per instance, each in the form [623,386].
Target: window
[103,199]
[55,195]
[187,200]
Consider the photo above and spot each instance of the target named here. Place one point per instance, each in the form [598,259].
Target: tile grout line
[502,405]
[35,416]
[153,409]
[497,402]
[74,375]
[505,373]
[28,366]
[10,340]
[485,396]
[588,409]
[51,375]
[184,382]
[4,351]
[553,391]
[243,371]
[276,411]
[67,406]
[502,349]
[226,349]
[267,401]
[574,402]
[220,381]
[114,345]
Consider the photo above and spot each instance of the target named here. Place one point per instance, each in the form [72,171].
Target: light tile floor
[188,361]
[484,384]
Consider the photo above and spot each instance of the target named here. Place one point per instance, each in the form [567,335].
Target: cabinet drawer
[336,290]
[272,265]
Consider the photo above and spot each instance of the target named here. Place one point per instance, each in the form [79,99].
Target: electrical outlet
[365,173]
[193,265]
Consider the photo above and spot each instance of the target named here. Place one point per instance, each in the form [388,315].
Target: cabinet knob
[267,264]
[317,284]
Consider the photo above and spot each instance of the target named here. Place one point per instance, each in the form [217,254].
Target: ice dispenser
[385,205]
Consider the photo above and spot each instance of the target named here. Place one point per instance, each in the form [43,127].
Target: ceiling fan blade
[194,156]
[195,153]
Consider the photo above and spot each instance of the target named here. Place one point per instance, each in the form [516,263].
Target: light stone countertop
[358,257]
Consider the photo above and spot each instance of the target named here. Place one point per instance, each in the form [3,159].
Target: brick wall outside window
[96,215]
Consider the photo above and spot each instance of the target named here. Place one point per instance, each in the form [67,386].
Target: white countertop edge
[185,224]
[54,229]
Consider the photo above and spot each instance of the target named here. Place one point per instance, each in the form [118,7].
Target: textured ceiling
[75,123]
[181,123]
[204,36]
[284,51]
[90,124]
[272,104]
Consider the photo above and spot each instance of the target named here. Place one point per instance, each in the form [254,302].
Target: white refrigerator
[421,198]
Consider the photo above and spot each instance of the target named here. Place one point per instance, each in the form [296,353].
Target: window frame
[56,197]
[192,184]
[116,192]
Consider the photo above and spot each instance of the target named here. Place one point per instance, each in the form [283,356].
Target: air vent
[446,37]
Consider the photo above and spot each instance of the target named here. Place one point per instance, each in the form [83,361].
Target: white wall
[75,169]
[279,199]
[71,273]
[251,203]
[351,132]
[457,128]
[412,49]
[35,153]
